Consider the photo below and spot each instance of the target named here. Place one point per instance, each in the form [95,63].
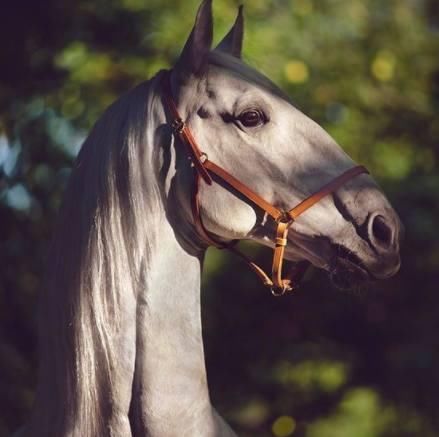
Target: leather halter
[207,170]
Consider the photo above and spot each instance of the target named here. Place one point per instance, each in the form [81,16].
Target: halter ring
[280,291]
[284,217]
[178,125]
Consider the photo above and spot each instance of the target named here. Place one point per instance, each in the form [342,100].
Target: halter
[205,169]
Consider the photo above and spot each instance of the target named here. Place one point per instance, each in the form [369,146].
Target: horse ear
[232,42]
[194,57]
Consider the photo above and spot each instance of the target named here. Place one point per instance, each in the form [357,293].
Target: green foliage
[318,364]
[312,376]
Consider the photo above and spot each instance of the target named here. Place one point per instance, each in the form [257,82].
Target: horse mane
[102,245]
[103,240]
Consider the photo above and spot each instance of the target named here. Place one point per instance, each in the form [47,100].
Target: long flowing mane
[104,235]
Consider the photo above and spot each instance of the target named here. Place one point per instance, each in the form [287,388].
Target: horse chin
[344,267]
[346,274]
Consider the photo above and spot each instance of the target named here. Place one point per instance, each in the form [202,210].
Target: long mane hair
[101,249]
[104,236]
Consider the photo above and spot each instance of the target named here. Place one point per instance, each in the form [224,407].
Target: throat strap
[207,171]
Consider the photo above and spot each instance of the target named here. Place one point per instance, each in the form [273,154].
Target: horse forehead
[223,85]
[225,89]
[239,74]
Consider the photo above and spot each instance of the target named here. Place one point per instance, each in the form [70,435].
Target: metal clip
[285,218]
[178,125]
[280,291]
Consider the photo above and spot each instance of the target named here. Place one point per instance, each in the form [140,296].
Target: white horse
[121,345]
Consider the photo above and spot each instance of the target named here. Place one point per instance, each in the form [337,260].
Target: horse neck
[174,382]
[173,386]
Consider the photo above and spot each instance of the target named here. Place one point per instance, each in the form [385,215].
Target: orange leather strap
[208,238]
[278,256]
[185,135]
[325,190]
[196,214]
[283,285]
[284,219]
[243,189]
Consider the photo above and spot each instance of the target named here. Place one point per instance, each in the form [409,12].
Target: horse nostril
[381,231]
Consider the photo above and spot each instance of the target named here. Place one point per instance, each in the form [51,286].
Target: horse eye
[251,118]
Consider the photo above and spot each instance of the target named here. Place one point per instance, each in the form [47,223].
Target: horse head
[249,127]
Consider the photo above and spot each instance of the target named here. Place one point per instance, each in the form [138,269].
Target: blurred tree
[317,364]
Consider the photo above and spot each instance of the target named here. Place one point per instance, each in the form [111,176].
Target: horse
[121,351]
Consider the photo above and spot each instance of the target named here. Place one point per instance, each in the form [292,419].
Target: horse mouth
[347,270]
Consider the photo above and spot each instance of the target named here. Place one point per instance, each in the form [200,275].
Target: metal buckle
[178,125]
[281,291]
[284,218]
[203,157]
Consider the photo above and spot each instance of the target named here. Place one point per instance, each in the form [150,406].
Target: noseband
[207,170]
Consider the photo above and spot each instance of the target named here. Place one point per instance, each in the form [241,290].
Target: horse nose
[381,232]
[384,234]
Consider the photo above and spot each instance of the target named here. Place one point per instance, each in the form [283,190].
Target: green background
[320,363]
